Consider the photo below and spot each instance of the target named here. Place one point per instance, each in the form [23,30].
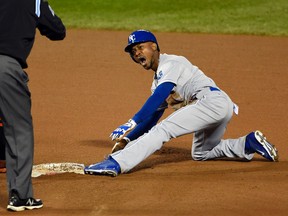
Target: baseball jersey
[175,75]
[188,78]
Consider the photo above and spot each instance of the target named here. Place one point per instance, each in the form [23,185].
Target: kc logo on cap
[132,38]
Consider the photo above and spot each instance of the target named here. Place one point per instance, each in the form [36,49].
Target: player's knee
[197,156]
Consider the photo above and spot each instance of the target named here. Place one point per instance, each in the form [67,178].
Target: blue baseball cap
[140,36]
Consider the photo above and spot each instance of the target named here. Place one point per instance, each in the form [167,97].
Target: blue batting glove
[120,132]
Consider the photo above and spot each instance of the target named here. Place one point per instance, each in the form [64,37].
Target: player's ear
[154,46]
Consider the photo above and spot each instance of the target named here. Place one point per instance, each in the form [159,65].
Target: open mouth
[142,60]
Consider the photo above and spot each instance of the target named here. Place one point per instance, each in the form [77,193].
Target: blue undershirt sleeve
[145,125]
[154,101]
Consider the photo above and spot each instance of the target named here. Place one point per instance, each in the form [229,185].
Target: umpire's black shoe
[17,204]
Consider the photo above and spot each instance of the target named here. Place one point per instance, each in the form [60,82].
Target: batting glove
[122,130]
[119,145]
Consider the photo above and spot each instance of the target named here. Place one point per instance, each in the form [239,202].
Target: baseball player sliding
[201,108]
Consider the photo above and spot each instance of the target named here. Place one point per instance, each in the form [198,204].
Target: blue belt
[204,91]
[214,89]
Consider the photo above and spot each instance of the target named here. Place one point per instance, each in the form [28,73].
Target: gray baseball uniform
[200,108]
[207,117]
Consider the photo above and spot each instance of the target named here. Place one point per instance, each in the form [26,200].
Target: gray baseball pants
[15,112]
[207,119]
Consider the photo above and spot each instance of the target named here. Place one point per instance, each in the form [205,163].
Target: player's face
[146,54]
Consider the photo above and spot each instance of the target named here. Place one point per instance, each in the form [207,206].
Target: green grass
[257,17]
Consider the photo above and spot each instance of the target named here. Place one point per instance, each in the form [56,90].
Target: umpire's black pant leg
[2,142]
[15,112]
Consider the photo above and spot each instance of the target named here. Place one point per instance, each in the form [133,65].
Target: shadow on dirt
[165,155]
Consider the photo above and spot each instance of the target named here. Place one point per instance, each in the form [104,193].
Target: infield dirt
[86,86]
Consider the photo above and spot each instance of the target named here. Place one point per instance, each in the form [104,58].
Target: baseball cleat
[17,204]
[257,142]
[108,167]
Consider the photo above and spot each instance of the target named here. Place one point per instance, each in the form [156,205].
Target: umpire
[18,23]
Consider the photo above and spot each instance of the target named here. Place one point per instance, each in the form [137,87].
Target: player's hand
[119,145]
[122,130]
